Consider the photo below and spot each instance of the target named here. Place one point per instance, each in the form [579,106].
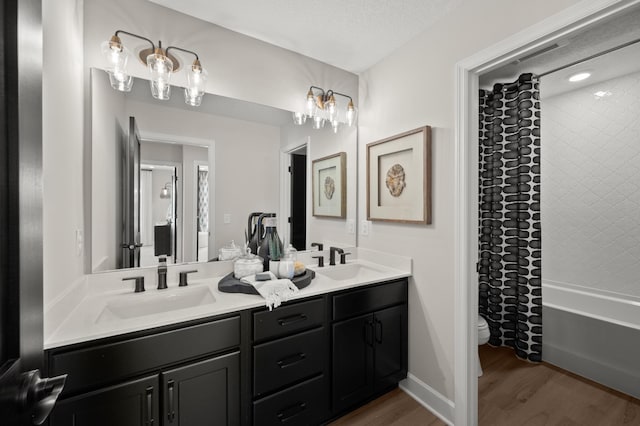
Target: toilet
[483,337]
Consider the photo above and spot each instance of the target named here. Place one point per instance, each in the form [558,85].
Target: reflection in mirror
[218,163]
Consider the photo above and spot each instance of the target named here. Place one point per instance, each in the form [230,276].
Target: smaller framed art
[329,186]
[399,178]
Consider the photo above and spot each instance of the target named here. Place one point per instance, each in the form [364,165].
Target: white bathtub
[593,333]
[601,305]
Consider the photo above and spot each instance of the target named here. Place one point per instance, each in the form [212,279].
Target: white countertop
[82,315]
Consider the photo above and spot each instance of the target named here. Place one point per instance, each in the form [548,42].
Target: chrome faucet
[162,274]
[332,254]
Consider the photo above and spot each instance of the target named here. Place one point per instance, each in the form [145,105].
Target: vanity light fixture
[161,65]
[321,106]
[164,192]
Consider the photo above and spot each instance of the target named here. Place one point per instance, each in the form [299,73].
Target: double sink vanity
[192,355]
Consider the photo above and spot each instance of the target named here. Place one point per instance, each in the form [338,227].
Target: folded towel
[274,291]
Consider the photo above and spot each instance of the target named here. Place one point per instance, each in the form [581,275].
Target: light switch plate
[227,218]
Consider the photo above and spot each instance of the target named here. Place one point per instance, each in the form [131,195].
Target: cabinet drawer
[284,361]
[95,365]
[357,302]
[304,404]
[288,319]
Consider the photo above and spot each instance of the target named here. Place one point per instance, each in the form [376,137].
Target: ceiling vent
[539,52]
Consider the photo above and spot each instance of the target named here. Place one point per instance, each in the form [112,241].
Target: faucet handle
[343,258]
[183,277]
[319,245]
[320,260]
[139,283]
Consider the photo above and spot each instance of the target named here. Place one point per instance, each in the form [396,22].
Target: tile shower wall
[591,186]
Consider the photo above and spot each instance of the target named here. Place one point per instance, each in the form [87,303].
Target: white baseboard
[428,397]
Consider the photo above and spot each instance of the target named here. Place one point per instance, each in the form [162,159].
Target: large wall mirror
[198,174]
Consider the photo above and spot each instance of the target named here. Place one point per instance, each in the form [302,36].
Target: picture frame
[399,178]
[329,186]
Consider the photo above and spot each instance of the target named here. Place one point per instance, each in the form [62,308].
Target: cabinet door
[352,361]
[390,337]
[132,403]
[204,393]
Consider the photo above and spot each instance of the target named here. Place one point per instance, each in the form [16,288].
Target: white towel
[274,291]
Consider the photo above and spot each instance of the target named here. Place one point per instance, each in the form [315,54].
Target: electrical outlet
[364,227]
[351,226]
[227,218]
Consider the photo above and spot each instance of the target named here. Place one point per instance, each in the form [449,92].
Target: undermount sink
[349,271]
[155,302]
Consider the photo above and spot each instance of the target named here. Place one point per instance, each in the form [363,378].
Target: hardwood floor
[394,408]
[513,392]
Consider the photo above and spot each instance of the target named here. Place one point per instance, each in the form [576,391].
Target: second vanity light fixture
[322,106]
[160,64]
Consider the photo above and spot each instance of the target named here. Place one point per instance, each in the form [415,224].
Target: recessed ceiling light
[579,77]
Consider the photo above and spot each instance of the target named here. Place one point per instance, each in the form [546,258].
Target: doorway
[158,213]
[298,211]
[468,71]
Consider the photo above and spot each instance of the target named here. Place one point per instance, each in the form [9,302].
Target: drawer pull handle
[291,411]
[292,319]
[149,406]
[171,414]
[294,359]
[378,329]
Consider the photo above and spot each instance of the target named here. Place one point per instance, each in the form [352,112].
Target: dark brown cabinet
[190,376]
[369,350]
[132,403]
[304,363]
[290,364]
[203,393]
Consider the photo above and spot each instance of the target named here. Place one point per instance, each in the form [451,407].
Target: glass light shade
[310,106]
[160,68]
[299,118]
[318,122]
[331,109]
[116,58]
[196,84]
[335,125]
[120,81]
[352,114]
[164,192]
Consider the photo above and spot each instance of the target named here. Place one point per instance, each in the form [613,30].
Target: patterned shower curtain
[510,291]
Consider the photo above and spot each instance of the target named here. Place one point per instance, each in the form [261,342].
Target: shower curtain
[510,291]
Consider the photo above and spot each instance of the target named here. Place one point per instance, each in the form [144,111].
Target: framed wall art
[399,178]
[329,186]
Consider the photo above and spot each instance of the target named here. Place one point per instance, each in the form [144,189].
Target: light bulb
[160,67]
[335,124]
[330,107]
[310,106]
[352,113]
[196,84]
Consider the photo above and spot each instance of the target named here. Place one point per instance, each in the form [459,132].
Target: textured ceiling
[349,34]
